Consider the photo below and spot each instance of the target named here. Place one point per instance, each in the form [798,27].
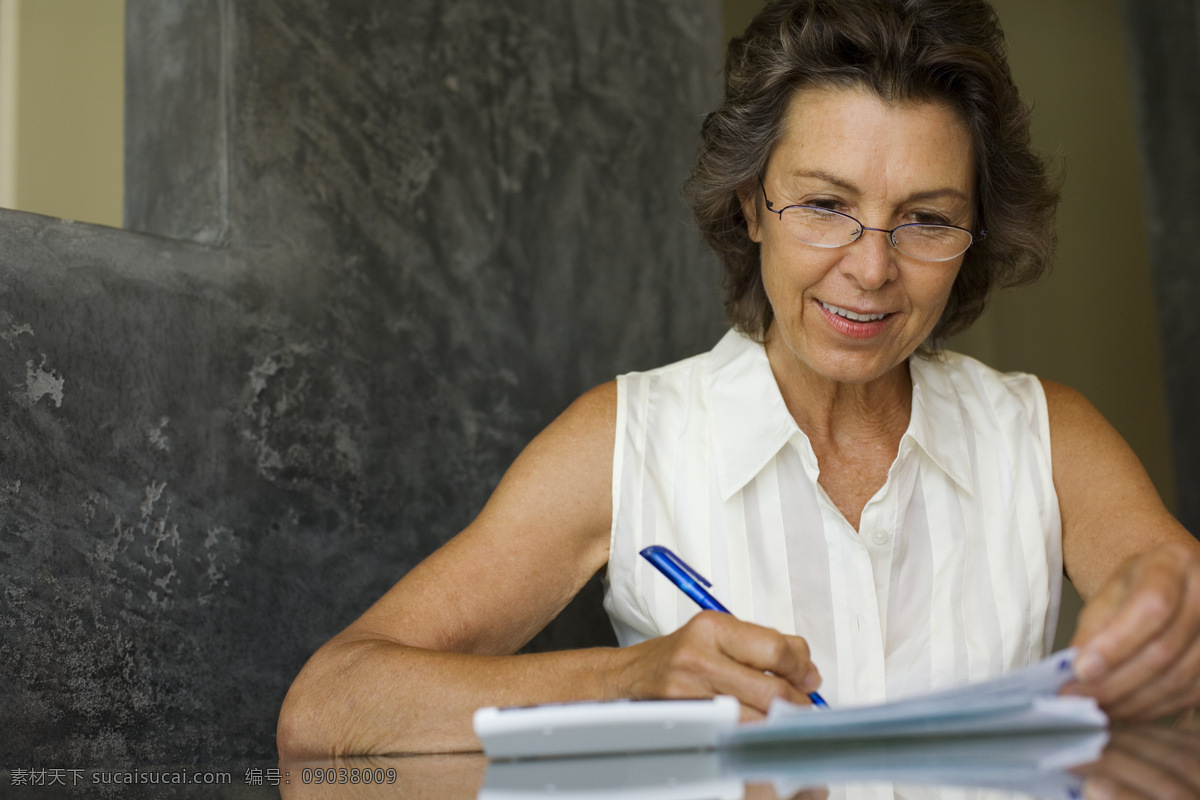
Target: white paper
[1019,701]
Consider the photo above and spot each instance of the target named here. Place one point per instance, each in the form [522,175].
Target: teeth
[841,312]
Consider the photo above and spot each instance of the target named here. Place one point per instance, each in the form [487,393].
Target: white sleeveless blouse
[953,577]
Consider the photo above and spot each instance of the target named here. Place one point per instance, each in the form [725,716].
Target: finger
[717,654]
[754,689]
[758,689]
[785,661]
[748,714]
[1126,615]
[772,665]
[768,650]
[1164,673]
[1168,691]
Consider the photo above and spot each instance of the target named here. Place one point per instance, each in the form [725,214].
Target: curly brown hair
[945,51]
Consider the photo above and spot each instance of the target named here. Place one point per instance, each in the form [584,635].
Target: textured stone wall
[1164,44]
[373,248]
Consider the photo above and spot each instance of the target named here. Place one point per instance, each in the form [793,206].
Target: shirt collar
[937,423]
[746,439]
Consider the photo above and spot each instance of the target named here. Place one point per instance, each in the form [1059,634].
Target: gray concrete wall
[374,247]
[1164,44]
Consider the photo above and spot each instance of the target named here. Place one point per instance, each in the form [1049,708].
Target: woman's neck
[854,428]
[839,412]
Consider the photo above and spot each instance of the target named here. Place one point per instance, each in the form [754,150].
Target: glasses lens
[931,242]
[820,226]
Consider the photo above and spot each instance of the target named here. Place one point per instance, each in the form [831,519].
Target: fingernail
[812,680]
[1099,789]
[1090,666]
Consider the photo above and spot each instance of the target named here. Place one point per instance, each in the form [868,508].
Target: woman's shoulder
[592,414]
[1073,418]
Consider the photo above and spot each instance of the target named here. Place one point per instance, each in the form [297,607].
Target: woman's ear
[749,201]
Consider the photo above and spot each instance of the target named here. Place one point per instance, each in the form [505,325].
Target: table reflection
[1150,762]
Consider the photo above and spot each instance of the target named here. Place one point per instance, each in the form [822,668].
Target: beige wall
[1091,324]
[62,79]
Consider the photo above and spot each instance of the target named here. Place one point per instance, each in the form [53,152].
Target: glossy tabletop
[1144,761]
[1156,761]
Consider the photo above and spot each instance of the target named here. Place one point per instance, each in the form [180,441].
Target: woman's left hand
[1139,637]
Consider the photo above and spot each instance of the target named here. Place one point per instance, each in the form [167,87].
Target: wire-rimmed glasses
[824,227]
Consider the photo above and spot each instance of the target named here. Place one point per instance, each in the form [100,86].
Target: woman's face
[885,165]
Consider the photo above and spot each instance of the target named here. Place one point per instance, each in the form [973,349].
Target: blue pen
[692,584]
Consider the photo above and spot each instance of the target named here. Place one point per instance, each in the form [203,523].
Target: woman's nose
[870,261]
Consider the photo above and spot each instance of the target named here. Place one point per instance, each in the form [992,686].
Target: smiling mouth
[851,315]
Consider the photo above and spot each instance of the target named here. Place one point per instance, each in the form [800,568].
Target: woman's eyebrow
[850,186]
[827,177]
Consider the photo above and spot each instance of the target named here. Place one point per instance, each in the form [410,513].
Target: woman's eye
[927,218]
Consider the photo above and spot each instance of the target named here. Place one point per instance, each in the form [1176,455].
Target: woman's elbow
[297,732]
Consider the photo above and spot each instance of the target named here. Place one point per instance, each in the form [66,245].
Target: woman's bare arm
[1136,567]
[408,674]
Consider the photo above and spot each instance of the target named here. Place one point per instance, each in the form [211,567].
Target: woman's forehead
[856,137]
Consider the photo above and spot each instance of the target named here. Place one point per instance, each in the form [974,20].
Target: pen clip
[668,555]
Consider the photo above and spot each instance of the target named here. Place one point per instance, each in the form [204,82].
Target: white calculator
[617,726]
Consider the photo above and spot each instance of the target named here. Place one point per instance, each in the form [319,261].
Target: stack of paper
[1025,700]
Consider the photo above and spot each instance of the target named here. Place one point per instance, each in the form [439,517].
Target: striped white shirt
[954,575]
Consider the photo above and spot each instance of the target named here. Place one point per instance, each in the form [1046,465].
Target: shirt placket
[867,547]
[858,623]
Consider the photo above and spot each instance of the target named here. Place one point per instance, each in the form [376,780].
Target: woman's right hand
[716,654]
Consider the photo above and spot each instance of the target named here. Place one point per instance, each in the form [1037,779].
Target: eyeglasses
[824,227]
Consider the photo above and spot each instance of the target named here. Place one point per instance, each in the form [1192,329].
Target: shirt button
[880,537]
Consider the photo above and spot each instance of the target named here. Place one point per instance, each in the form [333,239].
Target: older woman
[882,518]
